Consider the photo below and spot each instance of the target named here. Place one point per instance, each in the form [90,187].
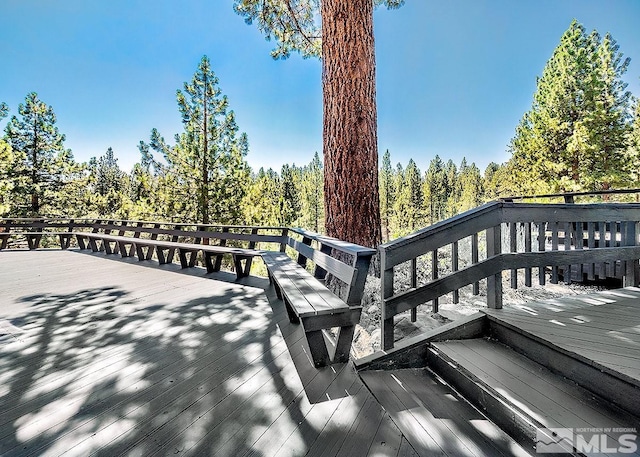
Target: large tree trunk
[350,141]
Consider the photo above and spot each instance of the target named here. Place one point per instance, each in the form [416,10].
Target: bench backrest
[243,236]
[345,261]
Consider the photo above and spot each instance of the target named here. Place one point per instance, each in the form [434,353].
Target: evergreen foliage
[205,173]
[574,137]
[40,166]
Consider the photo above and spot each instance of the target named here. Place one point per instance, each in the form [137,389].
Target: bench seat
[311,304]
[129,246]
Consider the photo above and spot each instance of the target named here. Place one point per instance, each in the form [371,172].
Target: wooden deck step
[434,418]
[520,395]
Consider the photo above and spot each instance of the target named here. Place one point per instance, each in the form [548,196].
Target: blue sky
[454,77]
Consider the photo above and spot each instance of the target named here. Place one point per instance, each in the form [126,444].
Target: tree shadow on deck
[113,371]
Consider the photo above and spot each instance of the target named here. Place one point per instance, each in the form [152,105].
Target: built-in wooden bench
[307,299]
[144,239]
[144,248]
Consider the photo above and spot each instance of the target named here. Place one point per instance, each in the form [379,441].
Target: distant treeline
[582,133]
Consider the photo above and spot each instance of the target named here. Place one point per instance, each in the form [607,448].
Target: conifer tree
[386,194]
[289,201]
[435,190]
[573,137]
[207,161]
[41,165]
[312,195]
[471,189]
[260,201]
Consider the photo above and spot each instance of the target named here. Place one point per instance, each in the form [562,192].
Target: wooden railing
[303,245]
[585,240]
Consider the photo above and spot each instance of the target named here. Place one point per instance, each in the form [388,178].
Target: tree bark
[350,141]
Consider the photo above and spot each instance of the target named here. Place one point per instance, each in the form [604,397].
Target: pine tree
[435,190]
[573,137]
[260,202]
[289,201]
[607,124]
[312,195]
[471,187]
[345,40]
[207,161]
[386,194]
[41,166]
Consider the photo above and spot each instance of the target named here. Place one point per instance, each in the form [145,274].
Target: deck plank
[602,329]
[108,356]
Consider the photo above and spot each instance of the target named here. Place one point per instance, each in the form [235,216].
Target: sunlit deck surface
[106,356]
[601,329]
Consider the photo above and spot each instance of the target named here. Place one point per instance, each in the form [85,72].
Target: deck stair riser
[520,395]
[611,385]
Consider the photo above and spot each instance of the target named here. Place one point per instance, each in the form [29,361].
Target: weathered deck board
[553,401]
[434,419]
[602,329]
[102,356]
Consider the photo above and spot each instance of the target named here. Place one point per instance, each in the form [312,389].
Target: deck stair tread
[530,389]
[602,330]
[434,418]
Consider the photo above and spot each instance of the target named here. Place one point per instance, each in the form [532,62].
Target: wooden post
[283,244]
[494,282]
[386,291]
[302,260]
[356,288]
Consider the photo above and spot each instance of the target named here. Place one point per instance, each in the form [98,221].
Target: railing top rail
[335,243]
[101,220]
[572,194]
[495,213]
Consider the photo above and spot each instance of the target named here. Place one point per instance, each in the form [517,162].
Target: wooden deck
[105,356]
[602,329]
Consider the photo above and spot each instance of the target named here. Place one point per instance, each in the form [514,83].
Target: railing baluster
[454,268]
[629,278]
[527,248]
[591,243]
[474,260]
[542,246]
[434,276]
[554,247]
[494,282]
[578,242]
[414,284]
[567,247]
[602,243]
[386,290]
[513,245]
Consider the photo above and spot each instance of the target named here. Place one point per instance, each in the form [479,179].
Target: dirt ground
[367,336]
